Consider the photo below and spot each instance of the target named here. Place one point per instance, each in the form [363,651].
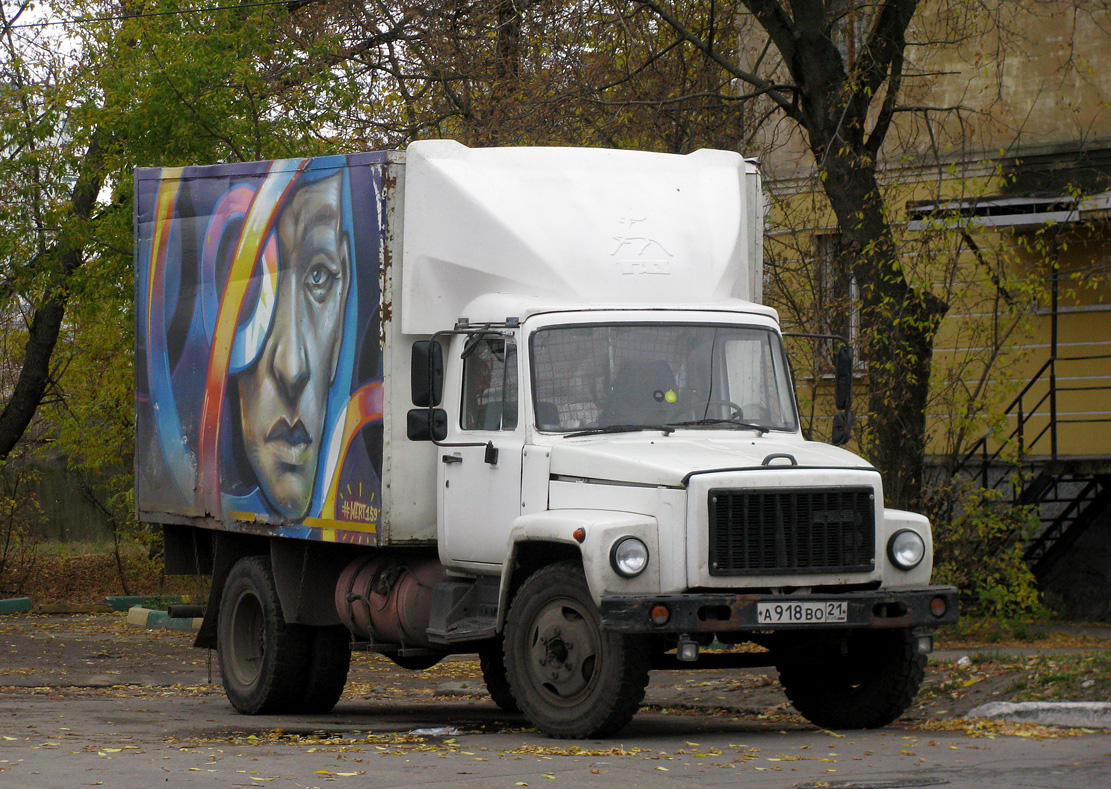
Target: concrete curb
[148,618]
[15,605]
[66,608]
[1079,714]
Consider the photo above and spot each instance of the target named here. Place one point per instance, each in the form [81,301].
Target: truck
[523,403]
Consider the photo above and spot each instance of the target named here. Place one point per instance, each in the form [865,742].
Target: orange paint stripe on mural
[260,219]
[363,407]
[169,185]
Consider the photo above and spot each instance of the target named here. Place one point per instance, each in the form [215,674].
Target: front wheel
[491,658]
[863,680]
[570,677]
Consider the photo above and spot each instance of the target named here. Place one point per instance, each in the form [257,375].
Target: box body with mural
[517,402]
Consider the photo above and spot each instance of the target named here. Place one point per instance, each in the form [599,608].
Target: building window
[838,296]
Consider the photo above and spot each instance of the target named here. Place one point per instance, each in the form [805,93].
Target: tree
[890,93]
[50,252]
[174,86]
[845,99]
[81,106]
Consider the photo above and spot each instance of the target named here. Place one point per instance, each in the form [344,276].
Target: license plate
[801,613]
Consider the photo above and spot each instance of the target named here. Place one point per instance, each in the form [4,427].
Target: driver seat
[637,395]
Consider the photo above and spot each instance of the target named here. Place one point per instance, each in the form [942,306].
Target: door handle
[449,459]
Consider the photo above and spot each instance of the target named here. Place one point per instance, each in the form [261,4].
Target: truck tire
[865,682]
[571,678]
[329,660]
[262,659]
[492,661]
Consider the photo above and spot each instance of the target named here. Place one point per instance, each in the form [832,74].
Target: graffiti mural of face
[283,396]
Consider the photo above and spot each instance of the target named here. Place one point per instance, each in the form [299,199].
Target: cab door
[480,461]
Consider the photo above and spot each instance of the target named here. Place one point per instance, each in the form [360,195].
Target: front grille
[783,531]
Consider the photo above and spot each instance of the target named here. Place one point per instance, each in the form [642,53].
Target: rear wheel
[329,660]
[262,659]
[864,680]
[569,676]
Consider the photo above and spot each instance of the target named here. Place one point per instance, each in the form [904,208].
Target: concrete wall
[67,515]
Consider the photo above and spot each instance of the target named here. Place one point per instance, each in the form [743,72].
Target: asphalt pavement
[89,700]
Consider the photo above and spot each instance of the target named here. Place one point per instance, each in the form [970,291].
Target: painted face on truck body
[283,396]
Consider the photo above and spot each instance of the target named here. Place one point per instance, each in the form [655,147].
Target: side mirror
[426,424]
[842,428]
[843,379]
[427,374]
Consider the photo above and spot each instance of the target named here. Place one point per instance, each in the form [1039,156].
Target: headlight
[906,549]
[629,557]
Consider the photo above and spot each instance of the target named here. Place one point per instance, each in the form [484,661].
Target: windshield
[625,376]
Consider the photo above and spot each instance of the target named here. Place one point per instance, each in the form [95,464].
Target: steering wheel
[737,413]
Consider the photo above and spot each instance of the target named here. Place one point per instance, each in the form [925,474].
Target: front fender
[602,529]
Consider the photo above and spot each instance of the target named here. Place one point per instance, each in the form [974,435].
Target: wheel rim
[565,652]
[248,639]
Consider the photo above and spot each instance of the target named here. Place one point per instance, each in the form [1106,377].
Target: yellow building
[998,183]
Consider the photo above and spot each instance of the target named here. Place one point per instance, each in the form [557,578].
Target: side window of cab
[490,385]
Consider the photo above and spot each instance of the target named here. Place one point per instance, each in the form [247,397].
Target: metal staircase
[1068,501]
[1069,494]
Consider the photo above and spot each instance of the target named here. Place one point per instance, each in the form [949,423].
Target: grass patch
[67,550]
[997,676]
[84,573]
[1082,677]
[972,631]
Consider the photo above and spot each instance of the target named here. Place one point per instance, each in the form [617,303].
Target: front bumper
[723,613]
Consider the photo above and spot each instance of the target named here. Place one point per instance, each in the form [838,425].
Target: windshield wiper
[711,421]
[595,431]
